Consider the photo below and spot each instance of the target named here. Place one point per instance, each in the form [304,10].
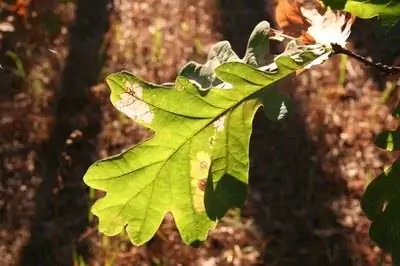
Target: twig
[391,70]
[277,32]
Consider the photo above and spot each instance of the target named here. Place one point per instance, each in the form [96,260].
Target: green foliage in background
[387,10]
[196,165]
[381,201]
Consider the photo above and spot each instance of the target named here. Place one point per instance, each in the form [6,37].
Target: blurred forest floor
[307,172]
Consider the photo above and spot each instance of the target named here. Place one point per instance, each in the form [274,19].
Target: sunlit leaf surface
[197,162]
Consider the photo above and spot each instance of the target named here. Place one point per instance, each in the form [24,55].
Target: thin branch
[391,70]
[280,33]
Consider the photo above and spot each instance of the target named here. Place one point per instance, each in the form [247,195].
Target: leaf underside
[196,164]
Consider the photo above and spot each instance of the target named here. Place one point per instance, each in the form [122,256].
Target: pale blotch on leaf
[134,89]
[131,104]
[219,124]
[200,165]
[224,86]
[199,170]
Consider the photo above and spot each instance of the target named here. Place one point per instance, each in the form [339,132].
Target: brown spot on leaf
[202,184]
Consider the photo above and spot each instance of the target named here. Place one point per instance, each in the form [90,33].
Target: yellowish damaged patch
[199,169]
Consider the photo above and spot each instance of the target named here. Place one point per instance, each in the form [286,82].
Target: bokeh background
[307,175]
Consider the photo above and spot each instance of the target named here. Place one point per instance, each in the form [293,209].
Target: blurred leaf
[381,200]
[196,164]
[388,140]
[381,203]
[396,112]
[51,22]
[19,67]
[256,54]
[203,76]
[387,10]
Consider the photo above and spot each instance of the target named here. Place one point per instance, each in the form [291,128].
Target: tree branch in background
[391,70]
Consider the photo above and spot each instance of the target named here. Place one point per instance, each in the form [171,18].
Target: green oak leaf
[257,52]
[203,76]
[196,164]
[381,203]
[387,10]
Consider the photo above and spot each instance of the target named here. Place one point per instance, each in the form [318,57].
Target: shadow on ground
[290,194]
[62,198]
[292,197]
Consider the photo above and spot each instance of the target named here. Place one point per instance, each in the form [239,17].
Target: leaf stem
[391,70]
[278,32]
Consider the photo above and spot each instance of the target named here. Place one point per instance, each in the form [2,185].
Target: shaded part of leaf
[376,197]
[388,140]
[228,193]
[198,75]
[381,191]
[240,119]
[276,106]
[387,10]
[389,22]
[203,75]
[258,52]
[226,187]
[220,53]
[385,230]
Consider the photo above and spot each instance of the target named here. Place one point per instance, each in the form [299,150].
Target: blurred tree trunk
[62,201]
[238,18]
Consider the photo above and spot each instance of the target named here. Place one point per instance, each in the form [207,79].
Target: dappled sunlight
[308,170]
